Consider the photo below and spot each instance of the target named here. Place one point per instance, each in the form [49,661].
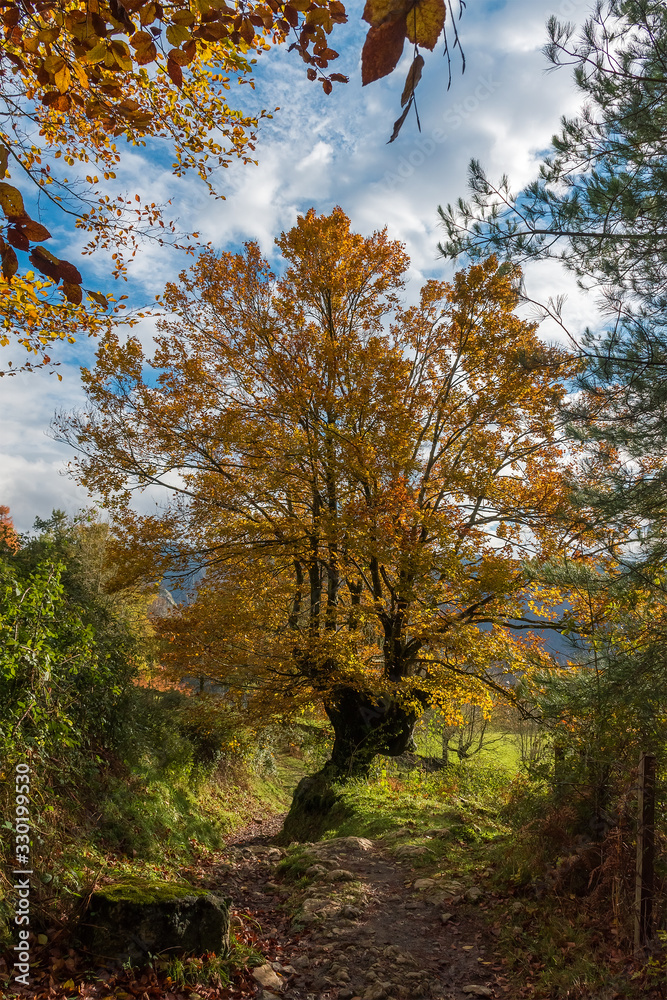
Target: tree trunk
[363,728]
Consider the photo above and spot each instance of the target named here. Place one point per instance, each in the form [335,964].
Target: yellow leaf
[80,74]
[148,13]
[53,64]
[177,33]
[376,12]
[183,17]
[11,201]
[63,79]
[97,54]
[425,22]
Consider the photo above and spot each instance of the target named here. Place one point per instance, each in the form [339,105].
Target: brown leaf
[426,21]
[247,31]
[68,272]
[99,298]
[178,56]
[382,50]
[11,201]
[146,55]
[54,99]
[412,79]
[9,262]
[398,124]
[4,159]
[46,262]
[35,231]
[141,39]
[52,267]
[72,292]
[18,238]
[148,13]
[175,72]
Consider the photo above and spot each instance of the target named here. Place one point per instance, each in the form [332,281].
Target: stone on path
[424,883]
[340,875]
[478,991]
[266,977]
[412,851]
[354,843]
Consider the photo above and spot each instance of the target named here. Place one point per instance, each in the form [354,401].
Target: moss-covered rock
[134,919]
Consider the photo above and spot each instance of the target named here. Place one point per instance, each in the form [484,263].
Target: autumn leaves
[391,23]
[358,479]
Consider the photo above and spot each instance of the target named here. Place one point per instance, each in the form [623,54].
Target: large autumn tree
[359,480]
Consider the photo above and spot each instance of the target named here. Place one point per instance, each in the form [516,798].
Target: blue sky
[323,151]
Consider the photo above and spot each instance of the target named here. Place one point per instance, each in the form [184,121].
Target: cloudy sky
[324,151]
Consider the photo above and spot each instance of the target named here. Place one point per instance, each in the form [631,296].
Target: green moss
[5,917]
[147,892]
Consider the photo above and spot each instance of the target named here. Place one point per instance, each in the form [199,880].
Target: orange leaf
[413,78]
[382,50]
[35,231]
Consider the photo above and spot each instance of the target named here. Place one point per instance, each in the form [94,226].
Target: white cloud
[323,151]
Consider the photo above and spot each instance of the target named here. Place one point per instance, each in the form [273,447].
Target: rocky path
[350,919]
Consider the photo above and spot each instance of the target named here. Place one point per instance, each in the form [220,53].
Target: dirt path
[352,919]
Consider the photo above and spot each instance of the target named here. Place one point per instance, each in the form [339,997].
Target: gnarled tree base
[363,728]
[316,806]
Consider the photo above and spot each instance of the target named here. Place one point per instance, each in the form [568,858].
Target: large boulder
[132,920]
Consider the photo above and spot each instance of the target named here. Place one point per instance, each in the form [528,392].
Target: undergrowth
[557,900]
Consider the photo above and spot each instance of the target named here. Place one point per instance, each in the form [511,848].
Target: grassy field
[500,748]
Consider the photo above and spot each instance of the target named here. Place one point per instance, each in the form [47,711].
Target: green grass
[211,970]
[498,748]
